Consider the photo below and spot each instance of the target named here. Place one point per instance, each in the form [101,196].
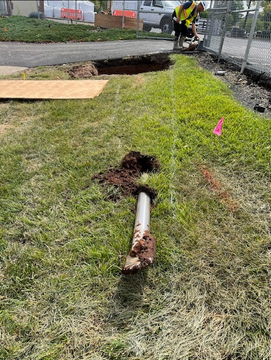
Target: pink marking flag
[218,128]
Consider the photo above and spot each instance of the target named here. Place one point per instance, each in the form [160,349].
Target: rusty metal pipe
[143,248]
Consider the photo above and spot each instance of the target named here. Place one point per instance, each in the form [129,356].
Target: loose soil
[83,71]
[141,255]
[125,177]
[216,187]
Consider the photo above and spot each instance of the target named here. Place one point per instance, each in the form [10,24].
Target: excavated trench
[123,66]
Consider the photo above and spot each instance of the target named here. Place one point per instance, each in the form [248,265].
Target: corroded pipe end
[141,255]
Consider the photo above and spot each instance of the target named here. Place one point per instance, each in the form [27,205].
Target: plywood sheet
[109,22]
[51,89]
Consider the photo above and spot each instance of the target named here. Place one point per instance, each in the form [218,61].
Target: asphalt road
[16,56]
[259,53]
[33,55]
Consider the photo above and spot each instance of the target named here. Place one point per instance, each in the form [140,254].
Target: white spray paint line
[114,112]
[116,102]
[173,146]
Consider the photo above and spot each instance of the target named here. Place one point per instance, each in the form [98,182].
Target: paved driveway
[33,55]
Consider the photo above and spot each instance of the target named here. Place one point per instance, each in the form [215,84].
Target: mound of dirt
[84,71]
[125,177]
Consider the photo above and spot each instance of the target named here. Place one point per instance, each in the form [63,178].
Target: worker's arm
[194,30]
[179,16]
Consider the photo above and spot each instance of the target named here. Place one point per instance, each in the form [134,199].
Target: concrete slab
[9,70]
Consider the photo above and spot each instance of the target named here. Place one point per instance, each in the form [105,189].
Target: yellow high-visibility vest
[186,13]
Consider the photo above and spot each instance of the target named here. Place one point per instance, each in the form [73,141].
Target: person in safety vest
[182,17]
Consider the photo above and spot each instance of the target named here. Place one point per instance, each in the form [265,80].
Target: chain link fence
[240,36]
[236,30]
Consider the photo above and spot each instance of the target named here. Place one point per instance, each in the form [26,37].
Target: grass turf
[64,241]
[20,28]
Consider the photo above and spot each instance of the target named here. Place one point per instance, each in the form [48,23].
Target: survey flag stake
[218,128]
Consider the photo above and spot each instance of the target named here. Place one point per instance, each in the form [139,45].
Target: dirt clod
[141,255]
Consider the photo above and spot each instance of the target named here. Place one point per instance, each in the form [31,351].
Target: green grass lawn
[20,28]
[63,240]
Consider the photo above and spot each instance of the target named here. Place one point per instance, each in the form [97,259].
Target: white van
[155,13]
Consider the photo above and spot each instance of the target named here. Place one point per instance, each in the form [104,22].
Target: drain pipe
[143,248]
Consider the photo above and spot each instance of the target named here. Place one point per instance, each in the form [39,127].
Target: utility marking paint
[116,102]
[173,147]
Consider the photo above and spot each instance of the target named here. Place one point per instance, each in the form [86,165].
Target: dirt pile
[125,177]
[84,71]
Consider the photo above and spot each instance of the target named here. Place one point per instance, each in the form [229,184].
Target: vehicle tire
[166,25]
[36,15]
[146,27]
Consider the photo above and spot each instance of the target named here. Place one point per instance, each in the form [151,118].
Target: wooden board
[51,89]
[109,22]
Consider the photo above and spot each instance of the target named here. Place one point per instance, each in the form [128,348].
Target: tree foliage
[265,5]
[265,15]
[100,5]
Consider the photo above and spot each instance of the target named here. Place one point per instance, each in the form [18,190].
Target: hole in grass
[124,177]
[125,66]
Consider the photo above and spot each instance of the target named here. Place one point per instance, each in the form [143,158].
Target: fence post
[37,3]
[255,17]
[123,14]
[137,19]
[75,11]
[229,3]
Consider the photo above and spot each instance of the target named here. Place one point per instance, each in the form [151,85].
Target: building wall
[24,8]
[3,7]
